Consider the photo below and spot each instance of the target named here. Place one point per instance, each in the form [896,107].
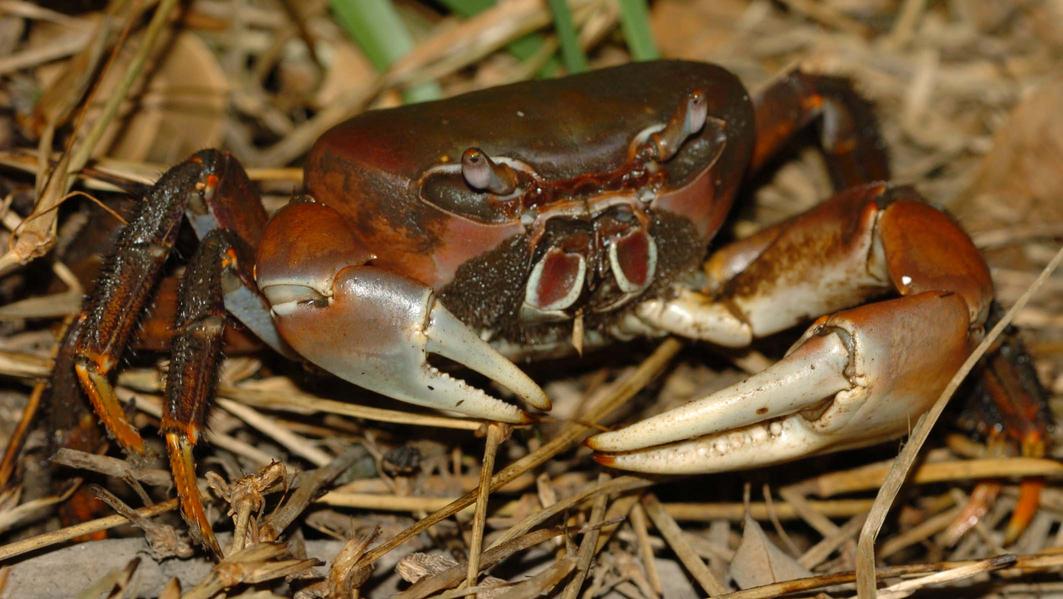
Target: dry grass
[968,96]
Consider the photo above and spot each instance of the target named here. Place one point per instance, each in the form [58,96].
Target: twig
[617,394]
[866,478]
[70,532]
[865,556]
[617,485]
[256,563]
[822,550]
[674,536]
[285,437]
[308,485]
[924,530]
[638,523]
[906,588]
[451,576]
[14,442]
[25,511]
[495,433]
[1014,565]
[122,469]
[588,544]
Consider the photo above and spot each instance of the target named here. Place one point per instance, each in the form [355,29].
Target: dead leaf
[758,561]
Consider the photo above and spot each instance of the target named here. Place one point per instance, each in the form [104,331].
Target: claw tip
[604,459]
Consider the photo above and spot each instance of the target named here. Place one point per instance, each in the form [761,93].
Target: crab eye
[484,174]
[686,121]
[696,113]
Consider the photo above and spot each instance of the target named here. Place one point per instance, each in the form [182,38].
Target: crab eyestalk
[687,120]
[484,174]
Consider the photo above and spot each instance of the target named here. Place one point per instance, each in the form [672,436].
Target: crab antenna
[484,174]
[687,120]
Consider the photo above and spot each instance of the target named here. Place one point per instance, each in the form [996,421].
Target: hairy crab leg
[855,378]
[213,192]
[1009,404]
[121,293]
[372,327]
[849,134]
[190,381]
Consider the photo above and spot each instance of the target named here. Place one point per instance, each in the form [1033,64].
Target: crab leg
[196,352]
[858,377]
[373,327]
[1009,402]
[212,191]
[848,132]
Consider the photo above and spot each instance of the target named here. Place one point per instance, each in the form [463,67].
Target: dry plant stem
[1014,566]
[285,437]
[14,443]
[257,563]
[114,467]
[114,100]
[304,403]
[616,395]
[30,510]
[452,576]
[588,544]
[906,588]
[65,534]
[495,433]
[142,173]
[819,552]
[865,556]
[674,536]
[638,523]
[614,517]
[617,485]
[38,234]
[308,485]
[240,522]
[920,532]
[866,478]
[773,515]
[389,503]
[816,520]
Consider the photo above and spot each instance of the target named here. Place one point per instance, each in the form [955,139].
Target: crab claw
[375,329]
[371,326]
[846,384]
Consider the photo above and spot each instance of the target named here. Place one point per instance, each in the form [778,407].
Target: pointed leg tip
[183,469]
[1025,509]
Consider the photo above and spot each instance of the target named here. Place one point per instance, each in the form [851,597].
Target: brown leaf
[758,561]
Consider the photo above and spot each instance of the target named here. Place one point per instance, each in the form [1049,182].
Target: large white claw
[755,422]
[859,377]
[451,338]
[376,330]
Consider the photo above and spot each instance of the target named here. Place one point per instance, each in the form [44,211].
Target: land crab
[528,219]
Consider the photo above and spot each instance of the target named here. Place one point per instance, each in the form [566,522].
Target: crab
[546,217]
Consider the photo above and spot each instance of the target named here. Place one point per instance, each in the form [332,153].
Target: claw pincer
[857,377]
[374,327]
